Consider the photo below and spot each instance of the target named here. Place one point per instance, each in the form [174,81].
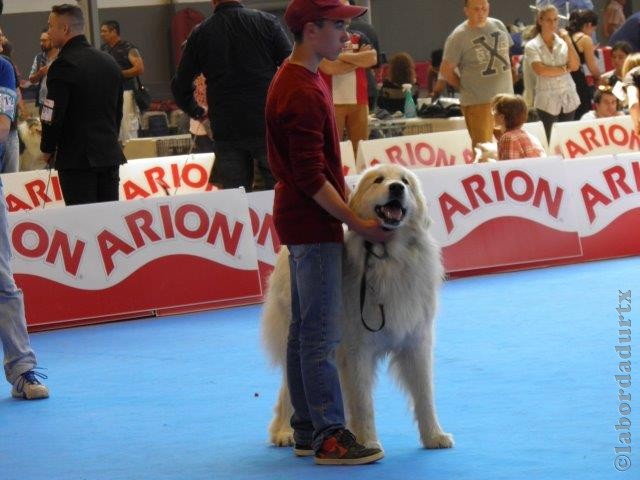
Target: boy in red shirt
[309,209]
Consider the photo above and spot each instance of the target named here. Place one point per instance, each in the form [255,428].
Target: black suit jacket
[238,50]
[81,116]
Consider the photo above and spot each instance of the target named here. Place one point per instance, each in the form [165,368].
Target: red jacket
[304,153]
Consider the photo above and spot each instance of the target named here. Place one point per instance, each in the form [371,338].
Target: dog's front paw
[438,440]
[282,438]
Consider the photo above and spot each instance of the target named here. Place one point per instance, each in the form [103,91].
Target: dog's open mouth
[391,213]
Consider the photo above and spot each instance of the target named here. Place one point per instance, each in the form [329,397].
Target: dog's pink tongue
[392,213]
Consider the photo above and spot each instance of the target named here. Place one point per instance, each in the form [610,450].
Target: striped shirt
[517,143]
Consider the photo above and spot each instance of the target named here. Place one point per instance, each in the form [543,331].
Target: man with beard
[40,67]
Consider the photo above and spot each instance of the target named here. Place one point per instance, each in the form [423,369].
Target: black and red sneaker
[303,450]
[341,448]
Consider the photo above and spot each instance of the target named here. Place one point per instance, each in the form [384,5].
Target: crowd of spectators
[558,73]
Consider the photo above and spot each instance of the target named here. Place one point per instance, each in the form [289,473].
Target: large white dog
[398,284]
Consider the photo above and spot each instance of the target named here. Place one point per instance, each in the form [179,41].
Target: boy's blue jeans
[314,385]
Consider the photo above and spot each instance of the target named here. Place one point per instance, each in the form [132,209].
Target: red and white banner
[151,177]
[138,256]
[499,214]
[607,204]
[166,176]
[142,178]
[440,149]
[173,252]
[264,232]
[603,136]
[32,190]
[348,158]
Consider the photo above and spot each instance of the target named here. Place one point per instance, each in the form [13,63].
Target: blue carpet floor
[525,366]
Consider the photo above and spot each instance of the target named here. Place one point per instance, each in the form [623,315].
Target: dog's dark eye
[379,180]
[405,181]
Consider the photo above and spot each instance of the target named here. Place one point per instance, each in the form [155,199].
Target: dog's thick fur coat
[405,280]
[30,132]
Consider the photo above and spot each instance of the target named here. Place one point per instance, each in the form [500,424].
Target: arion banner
[171,252]
[603,136]
[121,258]
[427,150]
[607,204]
[501,214]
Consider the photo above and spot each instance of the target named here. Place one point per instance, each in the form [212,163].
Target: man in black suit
[82,113]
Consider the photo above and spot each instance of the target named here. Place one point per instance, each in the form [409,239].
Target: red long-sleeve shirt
[304,153]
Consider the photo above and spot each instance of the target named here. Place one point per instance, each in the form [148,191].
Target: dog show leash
[368,246]
[50,165]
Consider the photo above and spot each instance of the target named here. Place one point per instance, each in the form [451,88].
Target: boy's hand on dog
[372,230]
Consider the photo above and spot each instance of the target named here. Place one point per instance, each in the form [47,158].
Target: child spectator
[510,113]
[606,104]
[619,53]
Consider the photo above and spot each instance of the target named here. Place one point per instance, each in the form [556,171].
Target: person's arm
[22,107]
[544,70]
[609,21]
[349,61]
[304,121]
[138,65]
[573,60]
[280,43]
[119,106]
[8,98]
[604,78]
[55,106]
[366,57]
[438,88]
[182,85]
[504,147]
[335,67]
[448,72]
[451,58]
[329,199]
[5,127]
[590,56]
[609,28]
[36,74]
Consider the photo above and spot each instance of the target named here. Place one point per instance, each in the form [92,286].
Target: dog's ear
[355,198]
[416,189]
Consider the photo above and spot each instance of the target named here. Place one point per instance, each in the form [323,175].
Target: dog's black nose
[396,189]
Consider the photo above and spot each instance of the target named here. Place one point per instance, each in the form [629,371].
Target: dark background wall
[414,26]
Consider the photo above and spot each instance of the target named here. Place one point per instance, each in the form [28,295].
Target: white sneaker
[29,387]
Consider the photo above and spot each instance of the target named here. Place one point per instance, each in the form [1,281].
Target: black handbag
[142,96]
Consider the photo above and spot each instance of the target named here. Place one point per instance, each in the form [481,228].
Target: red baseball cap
[300,12]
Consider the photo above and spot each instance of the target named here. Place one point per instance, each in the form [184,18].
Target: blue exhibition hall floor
[525,366]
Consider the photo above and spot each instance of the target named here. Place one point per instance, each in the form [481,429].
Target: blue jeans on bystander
[18,355]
